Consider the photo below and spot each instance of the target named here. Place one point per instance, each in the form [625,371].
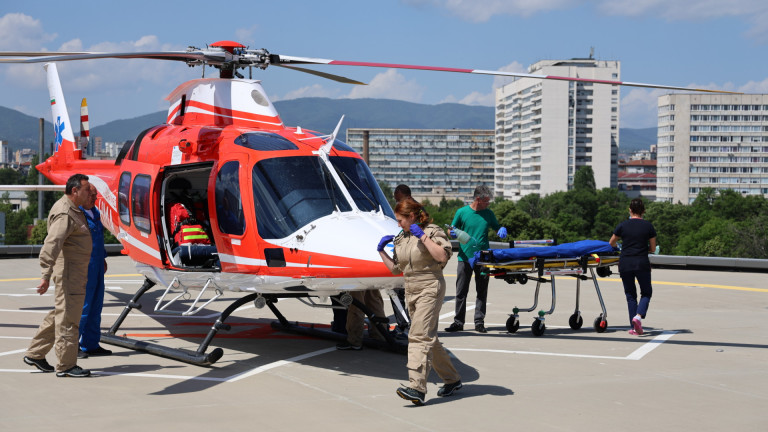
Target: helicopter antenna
[326,148]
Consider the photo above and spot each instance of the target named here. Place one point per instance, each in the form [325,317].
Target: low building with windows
[434,163]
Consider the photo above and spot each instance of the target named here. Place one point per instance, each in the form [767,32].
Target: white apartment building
[711,141]
[434,163]
[547,129]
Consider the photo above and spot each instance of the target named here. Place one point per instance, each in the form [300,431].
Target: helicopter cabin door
[229,222]
[138,209]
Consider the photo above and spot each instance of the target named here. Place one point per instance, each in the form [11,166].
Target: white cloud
[246,36]
[314,90]
[19,32]
[639,107]
[389,85]
[753,11]
[483,10]
[754,87]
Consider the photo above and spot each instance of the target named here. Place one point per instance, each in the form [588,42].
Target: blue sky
[702,43]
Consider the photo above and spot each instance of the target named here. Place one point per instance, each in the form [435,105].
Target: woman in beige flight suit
[421,251]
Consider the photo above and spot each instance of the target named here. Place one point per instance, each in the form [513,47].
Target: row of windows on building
[730,128]
[728,149]
[717,107]
[729,138]
[729,118]
[728,180]
[722,169]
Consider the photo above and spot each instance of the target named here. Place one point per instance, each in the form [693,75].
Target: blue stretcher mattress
[565,250]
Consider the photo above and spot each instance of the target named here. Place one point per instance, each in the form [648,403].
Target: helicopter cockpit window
[264,141]
[359,181]
[229,206]
[291,192]
[140,202]
[123,206]
[340,145]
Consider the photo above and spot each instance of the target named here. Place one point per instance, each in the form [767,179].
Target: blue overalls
[90,321]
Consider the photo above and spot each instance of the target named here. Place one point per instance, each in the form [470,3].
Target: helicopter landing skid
[201,358]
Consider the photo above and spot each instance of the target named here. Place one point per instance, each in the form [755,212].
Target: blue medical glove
[502,232]
[417,231]
[452,233]
[383,242]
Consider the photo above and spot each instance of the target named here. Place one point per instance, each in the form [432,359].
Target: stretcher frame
[545,270]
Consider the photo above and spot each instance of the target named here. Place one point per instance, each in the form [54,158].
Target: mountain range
[318,114]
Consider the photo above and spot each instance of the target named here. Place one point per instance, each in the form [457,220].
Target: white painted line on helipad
[635,355]
[273,365]
[13,352]
[231,378]
[651,345]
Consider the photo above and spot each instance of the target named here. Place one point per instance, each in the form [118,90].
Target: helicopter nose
[351,235]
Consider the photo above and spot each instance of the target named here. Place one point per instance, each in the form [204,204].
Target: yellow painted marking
[727,287]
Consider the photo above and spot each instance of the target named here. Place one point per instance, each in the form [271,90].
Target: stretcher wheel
[575,321]
[522,279]
[538,327]
[600,324]
[513,324]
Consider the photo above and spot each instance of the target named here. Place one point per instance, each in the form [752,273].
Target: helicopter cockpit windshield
[290,192]
[359,181]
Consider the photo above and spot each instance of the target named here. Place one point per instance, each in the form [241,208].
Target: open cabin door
[185,206]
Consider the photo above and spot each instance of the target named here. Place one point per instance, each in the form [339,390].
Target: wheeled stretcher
[582,260]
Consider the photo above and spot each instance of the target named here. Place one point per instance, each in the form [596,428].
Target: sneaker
[41,364]
[412,395]
[348,346]
[82,354]
[637,326]
[454,328]
[448,389]
[75,372]
[480,328]
[99,352]
[632,332]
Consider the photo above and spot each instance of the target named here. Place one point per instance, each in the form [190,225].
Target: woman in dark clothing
[638,240]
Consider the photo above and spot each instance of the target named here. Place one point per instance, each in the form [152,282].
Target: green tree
[751,237]
[9,176]
[39,232]
[584,179]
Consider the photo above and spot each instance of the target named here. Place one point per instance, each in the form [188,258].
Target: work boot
[412,395]
[454,328]
[75,372]
[448,389]
[41,364]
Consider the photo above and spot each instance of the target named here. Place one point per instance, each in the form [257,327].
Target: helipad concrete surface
[701,366]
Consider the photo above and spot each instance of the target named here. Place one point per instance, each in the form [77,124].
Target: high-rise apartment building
[711,141]
[547,129]
[434,163]
[5,153]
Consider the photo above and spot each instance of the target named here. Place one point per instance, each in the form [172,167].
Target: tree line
[720,223]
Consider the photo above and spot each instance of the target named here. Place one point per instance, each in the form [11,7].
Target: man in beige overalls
[65,256]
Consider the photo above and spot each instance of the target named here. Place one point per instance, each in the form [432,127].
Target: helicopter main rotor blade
[338,78]
[283,60]
[208,57]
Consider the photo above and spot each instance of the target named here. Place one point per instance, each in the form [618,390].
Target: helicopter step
[201,358]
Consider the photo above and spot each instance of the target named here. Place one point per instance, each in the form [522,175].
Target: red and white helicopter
[292,213]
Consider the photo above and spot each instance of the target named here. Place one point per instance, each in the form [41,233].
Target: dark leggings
[630,290]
